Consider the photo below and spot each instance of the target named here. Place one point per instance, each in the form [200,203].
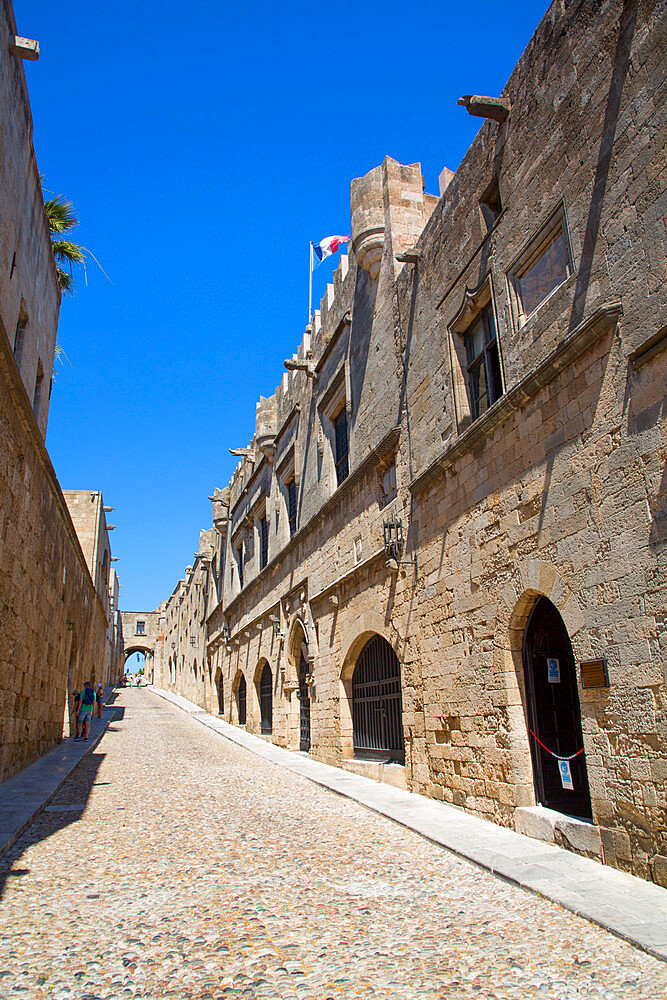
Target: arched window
[376,703]
[554,714]
[241,701]
[266,700]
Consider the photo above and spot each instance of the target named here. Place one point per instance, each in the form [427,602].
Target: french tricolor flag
[326,247]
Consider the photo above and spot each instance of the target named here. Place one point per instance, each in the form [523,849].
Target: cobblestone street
[175,864]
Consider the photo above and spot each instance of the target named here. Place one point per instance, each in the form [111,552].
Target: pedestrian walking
[76,704]
[86,711]
[99,697]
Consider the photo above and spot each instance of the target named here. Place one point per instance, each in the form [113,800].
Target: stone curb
[26,794]
[622,904]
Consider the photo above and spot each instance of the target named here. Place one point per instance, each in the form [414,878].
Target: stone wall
[44,580]
[55,631]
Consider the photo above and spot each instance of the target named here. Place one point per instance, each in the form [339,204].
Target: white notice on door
[565,775]
[553,670]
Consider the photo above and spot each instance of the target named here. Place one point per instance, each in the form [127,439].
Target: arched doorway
[377,709]
[304,700]
[241,701]
[266,700]
[219,690]
[554,715]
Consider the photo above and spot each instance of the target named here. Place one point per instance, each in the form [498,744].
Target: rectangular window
[239,562]
[292,506]
[484,380]
[389,483]
[19,335]
[263,541]
[141,628]
[39,385]
[341,446]
[541,268]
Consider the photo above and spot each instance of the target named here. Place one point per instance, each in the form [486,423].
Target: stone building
[441,559]
[44,575]
[88,513]
[185,612]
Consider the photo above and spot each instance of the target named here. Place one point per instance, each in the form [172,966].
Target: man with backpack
[86,710]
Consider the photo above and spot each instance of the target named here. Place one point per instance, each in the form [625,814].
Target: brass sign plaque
[594,674]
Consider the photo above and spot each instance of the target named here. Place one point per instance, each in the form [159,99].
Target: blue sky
[202,153]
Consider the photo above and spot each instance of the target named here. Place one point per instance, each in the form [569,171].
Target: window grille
[342,446]
[291,505]
[263,542]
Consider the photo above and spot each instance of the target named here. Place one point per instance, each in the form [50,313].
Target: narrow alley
[174,863]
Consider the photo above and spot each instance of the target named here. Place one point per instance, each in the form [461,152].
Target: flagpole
[310,283]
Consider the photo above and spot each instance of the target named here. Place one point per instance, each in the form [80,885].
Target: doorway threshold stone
[554,827]
[389,774]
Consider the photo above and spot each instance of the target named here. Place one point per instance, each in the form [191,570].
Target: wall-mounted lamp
[393,545]
[275,621]
[393,538]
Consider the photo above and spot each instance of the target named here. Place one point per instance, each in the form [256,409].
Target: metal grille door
[241,701]
[221,701]
[376,703]
[266,699]
[304,703]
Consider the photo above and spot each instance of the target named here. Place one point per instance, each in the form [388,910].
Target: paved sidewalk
[25,795]
[629,907]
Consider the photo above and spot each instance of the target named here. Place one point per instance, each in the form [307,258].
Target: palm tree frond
[65,280]
[62,218]
[60,215]
[67,252]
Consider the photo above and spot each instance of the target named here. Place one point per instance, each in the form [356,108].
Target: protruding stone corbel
[295,365]
[410,256]
[496,108]
[24,48]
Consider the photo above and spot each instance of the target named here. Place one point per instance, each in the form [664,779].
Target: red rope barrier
[556,755]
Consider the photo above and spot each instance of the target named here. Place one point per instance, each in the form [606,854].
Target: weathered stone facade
[55,621]
[460,482]
[88,513]
[29,294]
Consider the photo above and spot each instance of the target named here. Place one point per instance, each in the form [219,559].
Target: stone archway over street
[140,635]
